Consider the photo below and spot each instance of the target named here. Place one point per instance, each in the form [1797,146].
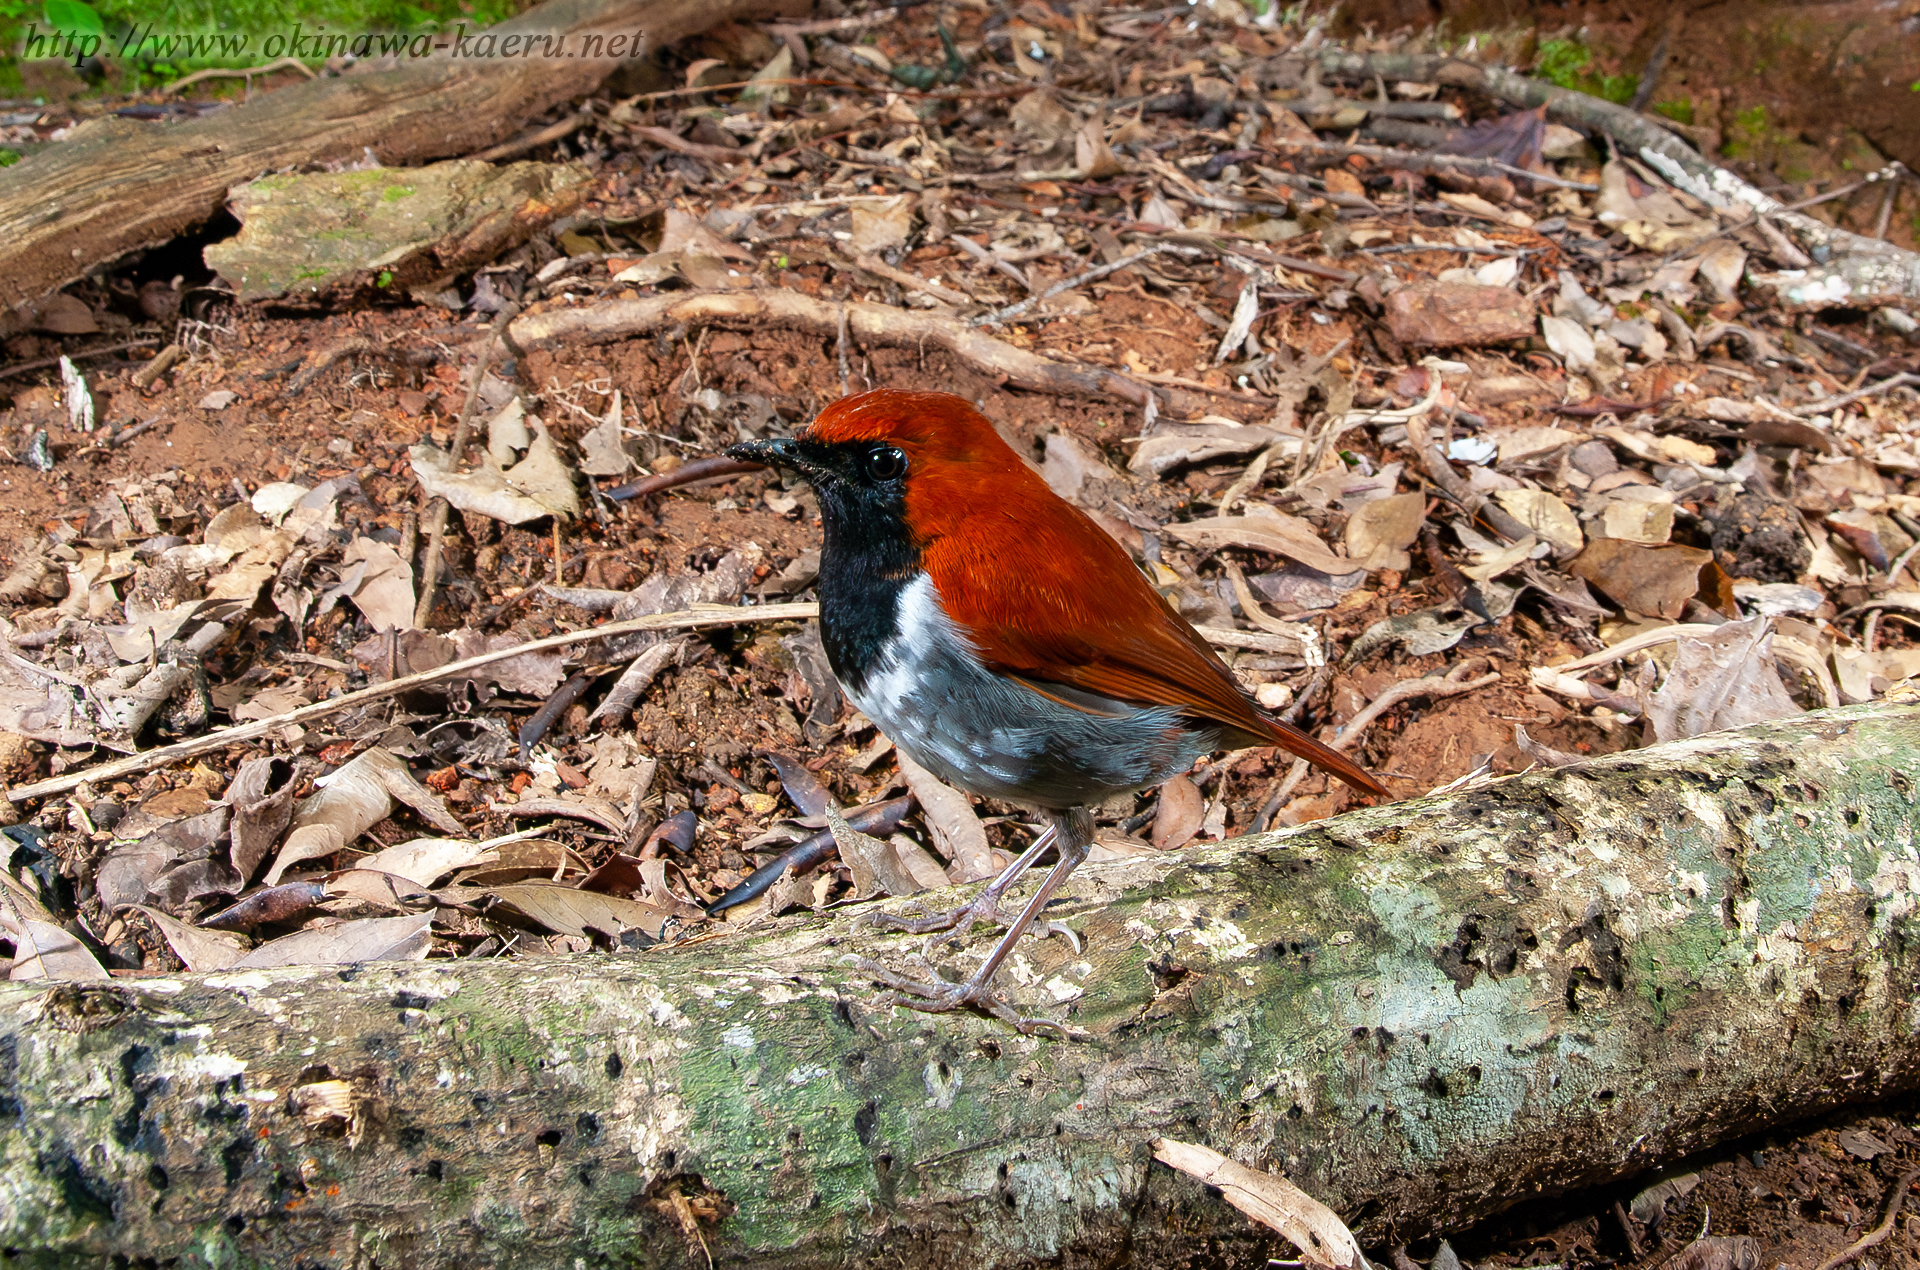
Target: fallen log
[1422,1013]
[116,185]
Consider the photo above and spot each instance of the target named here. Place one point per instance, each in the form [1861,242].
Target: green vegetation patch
[1569,64]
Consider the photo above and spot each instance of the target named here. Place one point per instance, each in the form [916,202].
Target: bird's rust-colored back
[1044,593]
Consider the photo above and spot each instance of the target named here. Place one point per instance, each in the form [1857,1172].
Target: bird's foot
[984,907]
[938,996]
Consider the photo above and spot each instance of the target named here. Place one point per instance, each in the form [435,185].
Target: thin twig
[1406,160]
[1433,686]
[692,620]
[241,72]
[1826,405]
[840,350]
[1457,489]
[987,258]
[44,362]
[1879,1233]
[520,145]
[437,511]
[1067,284]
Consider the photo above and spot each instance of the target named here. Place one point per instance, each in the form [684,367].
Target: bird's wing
[1050,598]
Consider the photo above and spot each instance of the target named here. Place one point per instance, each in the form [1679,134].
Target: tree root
[872,323]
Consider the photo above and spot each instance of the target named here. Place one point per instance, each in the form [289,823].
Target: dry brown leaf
[1723,680]
[1311,1226]
[1379,533]
[42,950]
[956,830]
[342,943]
[197,949]
[261,796]
[571,911]
[876,867]
[424,860]
[1275,532]
[1546,516]
[1177,817]
[1653,581]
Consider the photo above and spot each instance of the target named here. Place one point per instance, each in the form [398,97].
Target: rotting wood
[1422,1013]
[116,185]
[609,320]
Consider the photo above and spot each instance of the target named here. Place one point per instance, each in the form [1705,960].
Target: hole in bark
[1296,1111]
[549,1137]
[990,1047]
[586,1175]
[1901,784]
[863,1123]
[843,1011]
[235,1223]
[1604,1095]
[588,1127]
[946,1073]
[410,1136]
[234,1157]
[1853,817]
[793,1139]
[668,1160]
[1802,821]
[157,1178]
[614,1067]
[436,1170]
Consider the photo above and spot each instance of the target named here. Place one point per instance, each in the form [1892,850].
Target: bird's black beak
[776,452]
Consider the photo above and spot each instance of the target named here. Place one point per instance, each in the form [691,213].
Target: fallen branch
[611,320]
[1424,1013]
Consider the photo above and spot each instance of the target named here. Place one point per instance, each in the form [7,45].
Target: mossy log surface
[1422,1013]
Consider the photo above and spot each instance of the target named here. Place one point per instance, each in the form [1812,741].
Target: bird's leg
[984,907]
[1074,836]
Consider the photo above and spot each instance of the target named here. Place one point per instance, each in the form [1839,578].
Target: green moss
[394,193]
[1570,65]
[150,42]
[1680,110]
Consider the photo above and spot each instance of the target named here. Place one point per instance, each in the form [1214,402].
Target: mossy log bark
[1422,1013]
[116,185]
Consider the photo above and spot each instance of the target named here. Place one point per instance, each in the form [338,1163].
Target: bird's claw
[939,996]
[984,908]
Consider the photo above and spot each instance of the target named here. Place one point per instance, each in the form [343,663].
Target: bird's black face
[868,552]
[862,485]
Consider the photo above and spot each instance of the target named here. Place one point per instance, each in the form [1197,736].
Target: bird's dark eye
[885,463]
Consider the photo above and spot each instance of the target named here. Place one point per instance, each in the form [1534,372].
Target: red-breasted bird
[1004,641]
